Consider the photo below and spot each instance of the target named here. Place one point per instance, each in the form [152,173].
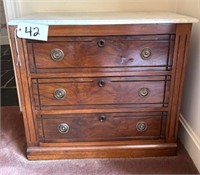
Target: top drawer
[63,54]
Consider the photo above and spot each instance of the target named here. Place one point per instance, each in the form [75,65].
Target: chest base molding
[118,151]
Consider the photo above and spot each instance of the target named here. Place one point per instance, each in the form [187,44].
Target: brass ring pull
[101,43]
[63,128]
[60,94]
[144,92]
[102,118]
[57,54]
[101,83]
[141,126]
[146,53]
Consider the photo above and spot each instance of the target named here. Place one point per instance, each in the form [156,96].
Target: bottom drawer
[101,127]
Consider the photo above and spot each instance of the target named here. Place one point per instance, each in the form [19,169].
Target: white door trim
[12,9]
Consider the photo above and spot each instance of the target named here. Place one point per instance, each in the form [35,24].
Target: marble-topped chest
[102,85]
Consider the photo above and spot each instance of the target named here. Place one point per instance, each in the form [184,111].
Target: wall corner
[190,141]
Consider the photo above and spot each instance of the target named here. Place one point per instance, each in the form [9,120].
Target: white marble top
[104,18]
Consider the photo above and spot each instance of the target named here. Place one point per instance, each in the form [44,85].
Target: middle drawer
[101,91]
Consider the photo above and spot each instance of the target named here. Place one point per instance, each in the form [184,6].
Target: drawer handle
[102,118]
[57,54]
[63,128]
[101,83]
[146,53]
[141,126]
[101,43]
[60,94]
[144,92]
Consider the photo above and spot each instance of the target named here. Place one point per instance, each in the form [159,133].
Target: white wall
[190,110]
[29,6]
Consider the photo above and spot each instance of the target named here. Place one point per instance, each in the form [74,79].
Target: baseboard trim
[190,140]
[4,40]
[190,131]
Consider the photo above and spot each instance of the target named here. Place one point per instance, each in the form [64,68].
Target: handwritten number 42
[32,31]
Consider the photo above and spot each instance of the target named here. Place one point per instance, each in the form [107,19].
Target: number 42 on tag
[32,31]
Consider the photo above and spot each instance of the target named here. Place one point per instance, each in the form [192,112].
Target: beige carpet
[14,162]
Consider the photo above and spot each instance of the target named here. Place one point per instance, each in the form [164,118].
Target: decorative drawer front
[101,91]
[101,52]
[94,127]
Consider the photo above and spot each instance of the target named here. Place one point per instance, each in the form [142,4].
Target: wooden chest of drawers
[102,91]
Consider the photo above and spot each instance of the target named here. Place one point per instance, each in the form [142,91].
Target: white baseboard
[190,140]
[4,40]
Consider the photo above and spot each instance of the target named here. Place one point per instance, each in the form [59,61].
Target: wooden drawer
[101,52]
[99,127]
[101,91]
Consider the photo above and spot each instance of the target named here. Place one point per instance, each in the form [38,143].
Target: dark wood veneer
[120,65]
[118,51]
[86,91]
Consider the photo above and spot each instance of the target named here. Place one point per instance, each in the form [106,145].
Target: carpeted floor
[14,162]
